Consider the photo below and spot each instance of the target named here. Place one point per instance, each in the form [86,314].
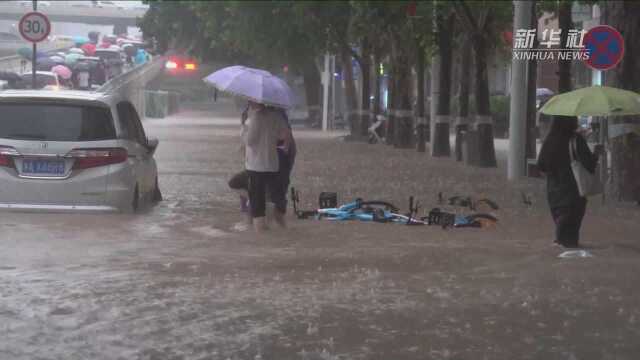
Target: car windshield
[54,122]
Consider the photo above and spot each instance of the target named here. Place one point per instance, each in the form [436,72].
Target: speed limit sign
[34,26]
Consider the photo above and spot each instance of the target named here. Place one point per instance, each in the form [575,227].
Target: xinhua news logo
[601,48]
[550,47]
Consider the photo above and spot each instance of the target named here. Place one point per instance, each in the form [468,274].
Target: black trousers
[568,220]
[259,183]
[276,189]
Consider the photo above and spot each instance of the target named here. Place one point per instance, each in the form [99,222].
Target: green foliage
[500,106]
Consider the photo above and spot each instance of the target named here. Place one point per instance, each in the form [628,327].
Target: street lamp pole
[325,88]
[518,110]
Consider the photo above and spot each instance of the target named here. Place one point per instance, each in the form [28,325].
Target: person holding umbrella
[567,205]
[555,160]
[264,127]
[286,149]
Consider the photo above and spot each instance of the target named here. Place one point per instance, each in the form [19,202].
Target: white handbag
[588,184]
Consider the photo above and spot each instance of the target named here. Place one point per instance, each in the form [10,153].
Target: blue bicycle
[385,212]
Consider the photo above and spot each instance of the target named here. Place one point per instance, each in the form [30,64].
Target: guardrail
[132,83]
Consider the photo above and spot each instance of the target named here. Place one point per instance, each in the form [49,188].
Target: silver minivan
[73,150]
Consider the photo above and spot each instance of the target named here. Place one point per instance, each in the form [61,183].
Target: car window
[54,122]
[129,122]
[142,137]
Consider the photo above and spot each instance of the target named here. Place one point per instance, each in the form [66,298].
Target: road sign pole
[33,54]
[33,67]
[34,27]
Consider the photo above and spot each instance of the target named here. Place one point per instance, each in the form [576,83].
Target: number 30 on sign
[34,26]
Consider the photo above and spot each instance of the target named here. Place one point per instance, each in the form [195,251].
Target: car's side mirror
[152,145]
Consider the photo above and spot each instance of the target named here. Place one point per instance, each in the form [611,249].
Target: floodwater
[182,281]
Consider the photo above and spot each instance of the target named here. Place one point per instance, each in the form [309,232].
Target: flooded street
[180,281]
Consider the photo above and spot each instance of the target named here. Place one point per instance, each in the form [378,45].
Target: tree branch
[465,12]
[464,20]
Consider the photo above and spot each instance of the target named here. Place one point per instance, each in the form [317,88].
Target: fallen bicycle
[385,212]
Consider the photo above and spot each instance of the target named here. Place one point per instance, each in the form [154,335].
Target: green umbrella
[27,53]
[71,59]
[594,101]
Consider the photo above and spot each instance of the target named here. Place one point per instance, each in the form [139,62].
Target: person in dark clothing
[286,158]
[566,204]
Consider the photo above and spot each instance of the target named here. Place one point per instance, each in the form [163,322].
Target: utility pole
[325,93]
[518,110]
[332,76]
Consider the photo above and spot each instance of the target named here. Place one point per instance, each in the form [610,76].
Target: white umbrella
[256,85]
[544,92]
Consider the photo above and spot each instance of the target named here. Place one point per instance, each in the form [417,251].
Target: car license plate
[43,167]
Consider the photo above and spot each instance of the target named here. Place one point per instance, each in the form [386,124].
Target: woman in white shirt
[264,128]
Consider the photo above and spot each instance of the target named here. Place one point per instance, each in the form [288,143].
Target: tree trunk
[462,121]
[350,93]
[312,87]
[444,38]
[421,146]
[403,116]
[625,149]
[486,154]
[365,71]
[564,66]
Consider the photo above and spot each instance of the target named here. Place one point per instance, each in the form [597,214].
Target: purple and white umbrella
[254,84]
[542,92]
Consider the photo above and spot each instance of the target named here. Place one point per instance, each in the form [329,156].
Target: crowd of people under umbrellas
[91,61]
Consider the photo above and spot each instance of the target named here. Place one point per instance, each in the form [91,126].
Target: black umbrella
[9,76]
[14,80]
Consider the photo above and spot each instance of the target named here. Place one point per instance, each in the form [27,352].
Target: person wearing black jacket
[567,205]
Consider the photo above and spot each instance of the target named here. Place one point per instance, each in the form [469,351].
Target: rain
[184,276]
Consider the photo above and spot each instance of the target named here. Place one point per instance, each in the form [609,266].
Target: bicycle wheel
[482,216]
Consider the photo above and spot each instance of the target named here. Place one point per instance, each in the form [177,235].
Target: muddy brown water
[180,282]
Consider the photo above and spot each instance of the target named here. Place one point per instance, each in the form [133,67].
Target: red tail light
[90,158]
[6,156]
